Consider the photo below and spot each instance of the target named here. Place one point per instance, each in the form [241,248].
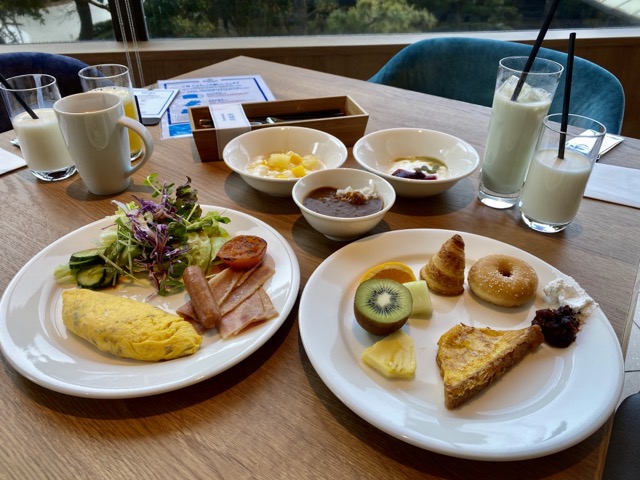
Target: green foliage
[201,18]
[22,7]
[380,16]
[456,15]
[254,18]
[217,18]
[10,10]
[178,18]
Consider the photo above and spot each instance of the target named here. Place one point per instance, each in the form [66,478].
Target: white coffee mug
[94,128]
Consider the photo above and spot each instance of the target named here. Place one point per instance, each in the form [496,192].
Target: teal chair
[465,69]
[64,68]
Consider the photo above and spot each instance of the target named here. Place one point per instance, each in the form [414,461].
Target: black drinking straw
[567,95]
[18,97]
[534,51]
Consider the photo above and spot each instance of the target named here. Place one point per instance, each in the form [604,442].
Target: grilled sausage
[202,299]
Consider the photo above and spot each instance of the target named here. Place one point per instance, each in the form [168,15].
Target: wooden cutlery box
[339,116]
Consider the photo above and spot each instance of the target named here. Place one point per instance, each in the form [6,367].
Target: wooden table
[271,416]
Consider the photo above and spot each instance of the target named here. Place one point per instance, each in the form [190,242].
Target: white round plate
[36,343]
[552,400]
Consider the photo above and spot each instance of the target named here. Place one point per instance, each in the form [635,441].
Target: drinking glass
[514,127]
[40,139]
[114,78]
[559,172]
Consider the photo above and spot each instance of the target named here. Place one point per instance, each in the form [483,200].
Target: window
[42,21]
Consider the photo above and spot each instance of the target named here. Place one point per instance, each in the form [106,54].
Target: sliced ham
[241,298]
[221,286]
[256,308]
[243,291]
[224,283]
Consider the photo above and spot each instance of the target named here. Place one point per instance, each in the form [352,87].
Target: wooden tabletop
[271,416]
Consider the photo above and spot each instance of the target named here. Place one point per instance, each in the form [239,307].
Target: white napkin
[9,161]
[614,184]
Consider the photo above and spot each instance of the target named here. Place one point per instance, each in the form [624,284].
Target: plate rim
[327,374]
[54,384]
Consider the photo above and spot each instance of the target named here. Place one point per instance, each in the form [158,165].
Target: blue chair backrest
[64,68]
[465,69]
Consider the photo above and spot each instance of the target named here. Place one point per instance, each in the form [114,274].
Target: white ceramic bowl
[245,148]
[376,152]
[337,228]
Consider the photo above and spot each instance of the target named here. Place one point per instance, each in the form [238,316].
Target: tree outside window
[92,19]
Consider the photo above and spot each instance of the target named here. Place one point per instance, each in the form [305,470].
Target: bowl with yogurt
[416,161]
[273,159]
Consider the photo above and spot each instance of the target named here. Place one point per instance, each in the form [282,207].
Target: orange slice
[397,271]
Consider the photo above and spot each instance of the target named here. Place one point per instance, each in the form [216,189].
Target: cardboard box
[338,116]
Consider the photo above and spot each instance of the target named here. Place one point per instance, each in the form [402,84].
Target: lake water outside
[61,24]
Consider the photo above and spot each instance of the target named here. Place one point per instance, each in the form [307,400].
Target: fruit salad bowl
[242,151]
[383,151]
[340,228]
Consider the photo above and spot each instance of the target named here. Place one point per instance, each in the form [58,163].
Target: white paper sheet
[614,184]
[10,161]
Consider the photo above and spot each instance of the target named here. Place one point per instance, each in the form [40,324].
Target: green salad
[160,237]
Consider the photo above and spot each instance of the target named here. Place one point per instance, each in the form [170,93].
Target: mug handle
[146,137]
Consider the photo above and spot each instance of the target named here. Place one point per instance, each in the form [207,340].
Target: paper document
[195,92]
[585,144]
[153,103]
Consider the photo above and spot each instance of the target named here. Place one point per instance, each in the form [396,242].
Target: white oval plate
[36,343]
[552,400]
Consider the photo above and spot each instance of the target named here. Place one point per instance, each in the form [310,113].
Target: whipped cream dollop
[564,292]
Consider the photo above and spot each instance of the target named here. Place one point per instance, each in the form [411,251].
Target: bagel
[503,280]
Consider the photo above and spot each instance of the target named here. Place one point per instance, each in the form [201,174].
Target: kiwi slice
[382,306]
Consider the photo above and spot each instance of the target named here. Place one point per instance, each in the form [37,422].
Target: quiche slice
[471,359]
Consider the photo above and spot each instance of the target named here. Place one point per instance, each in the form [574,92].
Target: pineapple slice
[394,356]
[294,158]
[299,171]
[278,161]
[310,162]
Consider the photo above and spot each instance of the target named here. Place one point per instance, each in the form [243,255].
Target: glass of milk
[559,172]
[40,139]
[514,127]
[114,78]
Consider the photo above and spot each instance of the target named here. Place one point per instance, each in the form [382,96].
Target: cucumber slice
[91,277]
[110,277]
[85,258]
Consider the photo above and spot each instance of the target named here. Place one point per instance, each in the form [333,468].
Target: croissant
[444,272]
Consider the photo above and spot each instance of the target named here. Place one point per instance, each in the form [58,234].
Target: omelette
[127,328]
